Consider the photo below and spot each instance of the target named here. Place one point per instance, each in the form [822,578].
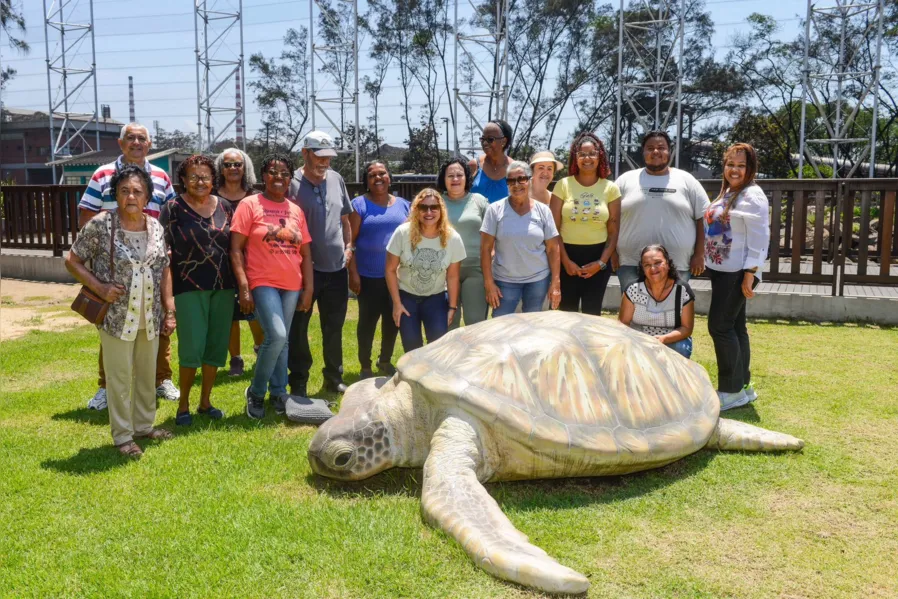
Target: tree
[13,24]
[282,90]
[419,158]
[163,140]
[374,87]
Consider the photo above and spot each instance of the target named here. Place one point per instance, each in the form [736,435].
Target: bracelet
[169,313]
[453,308]
[602,265]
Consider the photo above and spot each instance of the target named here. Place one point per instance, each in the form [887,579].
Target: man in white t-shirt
[660,204]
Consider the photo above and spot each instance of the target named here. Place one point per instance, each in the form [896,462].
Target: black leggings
[726,324]
[579,294]
[375,303]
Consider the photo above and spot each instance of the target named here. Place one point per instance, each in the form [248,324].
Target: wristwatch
[453,308]
[602,265]
[751,270]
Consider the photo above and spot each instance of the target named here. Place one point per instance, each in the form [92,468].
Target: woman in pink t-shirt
[272,263]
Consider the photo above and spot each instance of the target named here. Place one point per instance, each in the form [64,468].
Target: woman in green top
[587,213]
[465,211]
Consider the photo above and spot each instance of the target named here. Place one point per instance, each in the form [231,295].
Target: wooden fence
[821,231]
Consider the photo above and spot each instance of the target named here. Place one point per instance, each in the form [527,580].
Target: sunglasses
[490,139]
[517,180]
[233,165]
[429,207]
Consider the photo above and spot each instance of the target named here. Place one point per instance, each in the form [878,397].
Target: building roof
[96,158]
[26,115]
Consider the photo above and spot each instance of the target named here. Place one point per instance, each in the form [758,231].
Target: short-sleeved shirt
[138,267]
[520,249]
[324,205]
[98,195]
[659,209]
[422,269]
[657,318]
[378,224]
[466,217]
[584,211]
[200,246]
[274,231]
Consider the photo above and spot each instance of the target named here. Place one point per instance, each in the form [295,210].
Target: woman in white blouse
[658,303]
[737,235]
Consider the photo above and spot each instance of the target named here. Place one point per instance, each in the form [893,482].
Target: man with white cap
[322,195]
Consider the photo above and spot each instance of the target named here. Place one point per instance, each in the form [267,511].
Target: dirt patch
[31,306]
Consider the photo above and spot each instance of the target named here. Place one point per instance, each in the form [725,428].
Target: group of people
[490,236]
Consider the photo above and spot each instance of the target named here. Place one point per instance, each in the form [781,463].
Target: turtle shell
[562,380]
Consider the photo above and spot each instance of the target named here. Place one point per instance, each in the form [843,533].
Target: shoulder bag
[88,304]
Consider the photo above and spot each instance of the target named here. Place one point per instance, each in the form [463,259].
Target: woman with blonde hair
[422,271]
[737,235]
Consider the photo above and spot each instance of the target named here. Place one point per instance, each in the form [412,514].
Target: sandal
[130,450]
[157,434]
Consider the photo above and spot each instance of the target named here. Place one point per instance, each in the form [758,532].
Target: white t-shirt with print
[422,270]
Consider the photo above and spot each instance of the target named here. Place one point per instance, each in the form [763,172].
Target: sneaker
[366,373]
[255,405]
[386,368]
[212,412]
[236,366]
[729,401]
[278,403]
[335,386]
[750,392]
[183,419]
[98,401]
[299,389]
[168,391]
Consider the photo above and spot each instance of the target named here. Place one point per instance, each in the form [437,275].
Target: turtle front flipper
[454,500]
[739,436]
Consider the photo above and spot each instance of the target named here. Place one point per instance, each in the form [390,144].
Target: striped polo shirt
[98,196]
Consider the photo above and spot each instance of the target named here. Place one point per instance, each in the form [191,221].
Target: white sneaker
[168,391]
[728,401]
[98,401]
[750,392]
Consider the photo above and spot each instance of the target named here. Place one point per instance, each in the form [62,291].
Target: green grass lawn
[230,509]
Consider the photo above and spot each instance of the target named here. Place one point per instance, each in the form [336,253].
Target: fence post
[57,224]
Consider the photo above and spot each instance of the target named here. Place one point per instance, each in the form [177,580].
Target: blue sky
[154,43]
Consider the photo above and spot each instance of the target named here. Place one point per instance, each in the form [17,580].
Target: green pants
[204,327]
[472,303]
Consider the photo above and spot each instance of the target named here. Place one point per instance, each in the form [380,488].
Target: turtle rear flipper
[454,500]
[739,436]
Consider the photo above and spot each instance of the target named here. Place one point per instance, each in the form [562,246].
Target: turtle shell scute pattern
[572,380]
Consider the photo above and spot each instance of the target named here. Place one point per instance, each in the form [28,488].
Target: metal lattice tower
[848,67]
[218,27]
[71,75]
[496,42]
[650,102]
[340,99]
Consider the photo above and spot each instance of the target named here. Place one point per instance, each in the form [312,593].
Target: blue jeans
[533,294]
[432,311]
[274,311]
[682,347]
[627,275]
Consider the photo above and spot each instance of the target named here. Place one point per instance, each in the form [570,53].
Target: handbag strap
[677,298]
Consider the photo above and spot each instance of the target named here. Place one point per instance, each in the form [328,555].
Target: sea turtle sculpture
[527,396]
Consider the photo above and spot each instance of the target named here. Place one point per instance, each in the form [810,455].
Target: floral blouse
[141,275]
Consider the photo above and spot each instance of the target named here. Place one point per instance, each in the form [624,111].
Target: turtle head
[363,438]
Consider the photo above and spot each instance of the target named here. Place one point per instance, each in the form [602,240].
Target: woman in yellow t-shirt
[587,214]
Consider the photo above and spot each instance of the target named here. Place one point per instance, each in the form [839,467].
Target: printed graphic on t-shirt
[426,266]
[658,190]
[283,237]
[718,233]
[586,205]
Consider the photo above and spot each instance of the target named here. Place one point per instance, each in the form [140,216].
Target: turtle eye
[342,458]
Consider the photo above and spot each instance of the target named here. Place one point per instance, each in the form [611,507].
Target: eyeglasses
[279,174]
[591,156]
[233,165]
[490,139]
[517,180]
[138,138]
[429,207]
[197,179]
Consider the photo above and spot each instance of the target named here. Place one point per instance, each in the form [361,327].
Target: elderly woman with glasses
[519,249]
[272,263]
[235,177]
[423,261]
[198,233]
[136,282]
[489,178]
[586,209]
